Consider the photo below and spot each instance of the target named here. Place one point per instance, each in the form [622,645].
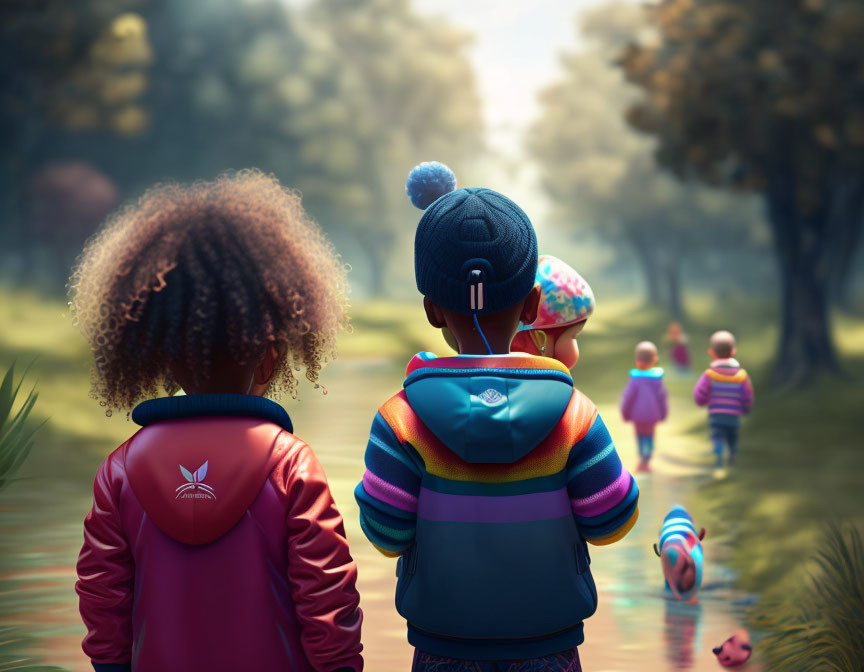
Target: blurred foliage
[337,98]
[406,93]
[602,175]
[81,65]
[768,95]
[820,627]
[15,442]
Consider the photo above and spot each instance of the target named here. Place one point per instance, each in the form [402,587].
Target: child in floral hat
[566,303]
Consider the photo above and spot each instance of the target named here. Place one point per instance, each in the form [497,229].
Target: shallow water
[635,627]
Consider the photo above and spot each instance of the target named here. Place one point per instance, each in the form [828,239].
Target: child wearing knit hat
[488,473]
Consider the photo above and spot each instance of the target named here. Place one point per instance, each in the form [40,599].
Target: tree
[768,96]
[602,175]
[403,92]
[65,68]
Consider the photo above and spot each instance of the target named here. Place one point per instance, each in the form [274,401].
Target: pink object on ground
[735,651]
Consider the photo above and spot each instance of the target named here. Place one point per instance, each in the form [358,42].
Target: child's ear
[267,368]
[711,353]
[531,306]
[538,337]
[434,313]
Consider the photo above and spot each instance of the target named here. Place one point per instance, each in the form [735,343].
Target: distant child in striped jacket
[488,472]
[727,391]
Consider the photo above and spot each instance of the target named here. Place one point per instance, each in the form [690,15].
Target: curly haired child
[489,473]
[213,542]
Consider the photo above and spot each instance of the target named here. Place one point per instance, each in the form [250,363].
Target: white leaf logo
[195,488]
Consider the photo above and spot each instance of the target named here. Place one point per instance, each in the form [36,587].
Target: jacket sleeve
[388,493]
[627,399]
[603,495]
[664,402]
[321,572]
[702,391]
[106,575]
[747,396]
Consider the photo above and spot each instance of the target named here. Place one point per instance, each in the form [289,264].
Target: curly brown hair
[193,272]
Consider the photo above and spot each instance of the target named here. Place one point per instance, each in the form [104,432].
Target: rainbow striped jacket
[486,475]
[724,388]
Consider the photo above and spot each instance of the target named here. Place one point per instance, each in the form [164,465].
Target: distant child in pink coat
[645,400]
[678,350]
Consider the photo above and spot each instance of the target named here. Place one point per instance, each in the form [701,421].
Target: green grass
[824,629]
[15,439]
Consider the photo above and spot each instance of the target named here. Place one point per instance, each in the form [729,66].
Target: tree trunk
[377,249]
[650,271]
[849,204]
[674,303]
[805,259]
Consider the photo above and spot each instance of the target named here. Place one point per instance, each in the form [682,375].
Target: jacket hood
[200,460]
[656,372]
[489,409]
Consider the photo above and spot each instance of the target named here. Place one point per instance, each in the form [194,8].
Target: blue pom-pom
[428,182]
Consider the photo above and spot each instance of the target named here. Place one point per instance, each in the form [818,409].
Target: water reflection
[682,633]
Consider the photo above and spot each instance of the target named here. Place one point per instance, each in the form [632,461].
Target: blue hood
[489,414]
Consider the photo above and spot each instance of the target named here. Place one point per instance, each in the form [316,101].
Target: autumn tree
[65,68]
[603,178]
[338,98]
[768,96]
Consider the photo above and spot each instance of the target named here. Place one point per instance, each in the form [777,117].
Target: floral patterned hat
[566,297]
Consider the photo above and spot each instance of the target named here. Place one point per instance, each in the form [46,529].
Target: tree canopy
[768,95]
[338,98]
[602,174]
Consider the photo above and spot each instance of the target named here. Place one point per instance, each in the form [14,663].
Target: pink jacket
[214,544]
[645,400]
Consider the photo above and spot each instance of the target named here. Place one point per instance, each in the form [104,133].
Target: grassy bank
[801,468]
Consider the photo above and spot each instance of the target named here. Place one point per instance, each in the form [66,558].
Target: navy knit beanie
[467,237]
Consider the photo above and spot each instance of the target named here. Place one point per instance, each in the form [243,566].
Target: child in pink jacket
[213,543]
[645,400]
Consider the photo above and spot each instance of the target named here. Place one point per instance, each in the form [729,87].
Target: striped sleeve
[746,396]
[387,495]
[603,495]
[702,391]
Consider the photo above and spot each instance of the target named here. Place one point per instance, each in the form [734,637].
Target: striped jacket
[725,388]
[486,476]
[679,535]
